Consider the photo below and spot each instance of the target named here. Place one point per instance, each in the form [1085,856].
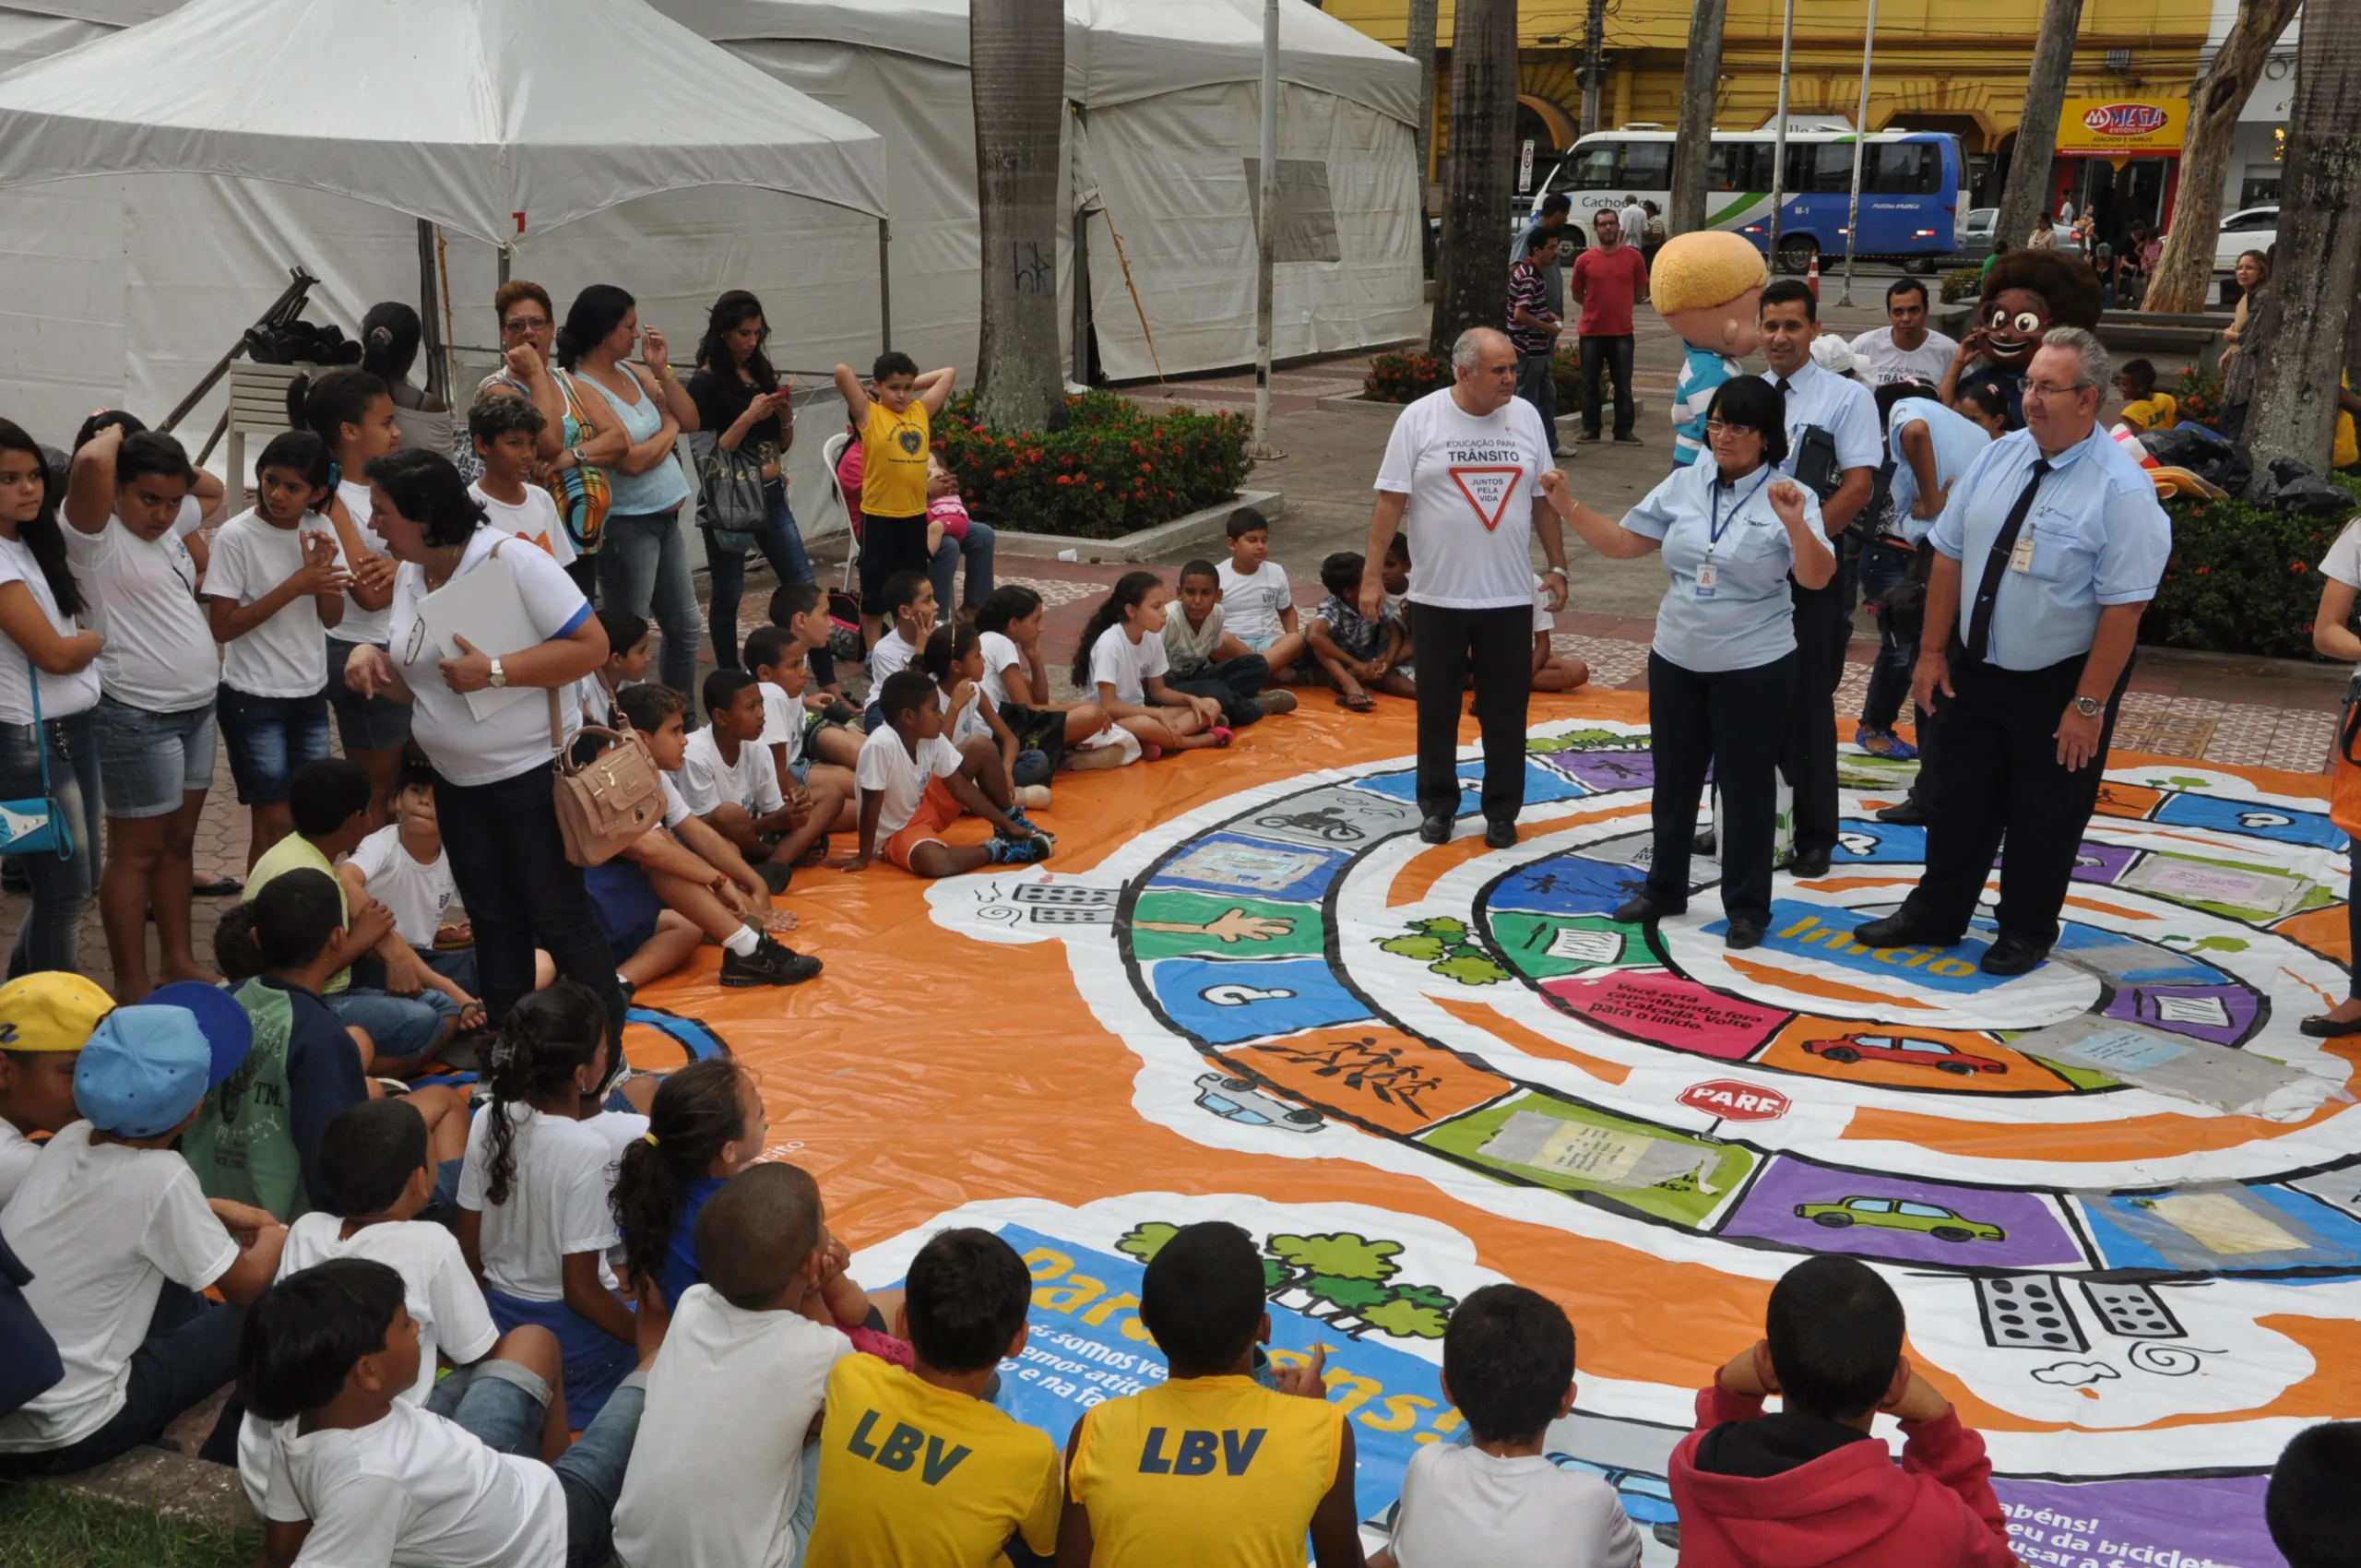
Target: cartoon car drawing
[1239,1100]
[1901,1214]
[1903,1049]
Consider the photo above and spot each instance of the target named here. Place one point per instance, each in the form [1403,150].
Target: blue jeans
[400,1026]
[1884,564]
[51,936]
[191,1350]
[782,546]
[506,1405]
[269,737]
[643,568]
[978,551]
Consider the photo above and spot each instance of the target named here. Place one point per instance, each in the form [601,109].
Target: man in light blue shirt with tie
[2050,549]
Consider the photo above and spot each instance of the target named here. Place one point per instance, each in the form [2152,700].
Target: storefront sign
[2115,126]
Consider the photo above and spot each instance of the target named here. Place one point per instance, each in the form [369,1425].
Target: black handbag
[731,499]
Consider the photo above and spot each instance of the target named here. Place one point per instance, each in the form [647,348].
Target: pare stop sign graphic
[1735,1101]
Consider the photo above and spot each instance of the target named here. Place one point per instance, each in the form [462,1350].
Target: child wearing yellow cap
[45,1019]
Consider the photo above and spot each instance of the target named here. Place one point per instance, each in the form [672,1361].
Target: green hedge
[2242,578]
[1113,469]
[1404,378]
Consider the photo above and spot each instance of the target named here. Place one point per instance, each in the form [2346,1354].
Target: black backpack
[29,1363]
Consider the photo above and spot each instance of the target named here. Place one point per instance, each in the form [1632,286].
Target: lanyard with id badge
[1708,574]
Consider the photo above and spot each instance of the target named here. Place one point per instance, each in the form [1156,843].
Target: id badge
[2021,560]
[1706,574]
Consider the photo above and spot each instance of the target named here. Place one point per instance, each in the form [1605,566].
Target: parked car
[2250,229]
[1901,1214]
[1974,234]
[1909,1053]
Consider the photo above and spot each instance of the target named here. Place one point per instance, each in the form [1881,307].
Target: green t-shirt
[243,1146]
[296,852]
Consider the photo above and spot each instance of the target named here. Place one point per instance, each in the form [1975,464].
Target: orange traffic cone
[1811,276]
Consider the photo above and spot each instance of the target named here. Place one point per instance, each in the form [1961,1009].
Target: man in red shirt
[1609,279]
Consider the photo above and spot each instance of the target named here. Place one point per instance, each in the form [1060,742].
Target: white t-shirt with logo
[160,655]
[415,1489]
[287,654]
[423,898]
[1472,482]
[1000,652]
[361,625]
[61,695]
[102,1227]
[1128,666]
[706,782]
[1462,1505]
[886,767]
[1250,603]
[891,655]
[1882,364]
[557,1204]
[534,520]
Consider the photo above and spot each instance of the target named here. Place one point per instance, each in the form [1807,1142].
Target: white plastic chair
[257,406]
[831,452]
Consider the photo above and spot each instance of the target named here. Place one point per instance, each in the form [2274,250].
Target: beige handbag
[604,804]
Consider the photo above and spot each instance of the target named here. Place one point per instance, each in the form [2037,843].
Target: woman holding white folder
[494,800]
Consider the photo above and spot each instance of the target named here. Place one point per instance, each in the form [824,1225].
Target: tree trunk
[1700,85]
[1017,49]
[2186,269]
[1420,46]
[2025,201]
[2298,334]
[1472,266]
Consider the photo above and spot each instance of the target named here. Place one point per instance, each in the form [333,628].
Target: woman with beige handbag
[496,764]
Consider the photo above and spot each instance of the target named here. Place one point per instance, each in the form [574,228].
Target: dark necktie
[1996,566]
[1784,385]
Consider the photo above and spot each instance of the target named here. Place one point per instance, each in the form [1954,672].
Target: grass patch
[48,1527]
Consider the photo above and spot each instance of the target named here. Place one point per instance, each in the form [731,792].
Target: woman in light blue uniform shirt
[1724,660]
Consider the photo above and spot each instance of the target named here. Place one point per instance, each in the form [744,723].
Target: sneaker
[1275,701]
[768,964]
[1007,852]
[1884,744]
[1034,795]
[1588,436]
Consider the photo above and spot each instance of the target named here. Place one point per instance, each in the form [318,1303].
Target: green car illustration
[1901,1214]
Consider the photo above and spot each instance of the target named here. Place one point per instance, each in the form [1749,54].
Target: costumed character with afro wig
[2026,293]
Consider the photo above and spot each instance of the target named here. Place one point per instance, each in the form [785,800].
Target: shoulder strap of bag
[41,734]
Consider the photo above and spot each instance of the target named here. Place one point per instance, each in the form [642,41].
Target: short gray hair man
[1469,347]
[2097,368]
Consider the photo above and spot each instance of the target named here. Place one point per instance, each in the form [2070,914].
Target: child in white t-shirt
[794,727]
[630,650]
[46,1017]
[734,781]
[914,784]
[910,614]
[274,586]
[954,661]
[801,610]
[506,433]
[120,1241]
[1508,1364]
[1257,603]
[358,1473]
[1121,661]
[403,866]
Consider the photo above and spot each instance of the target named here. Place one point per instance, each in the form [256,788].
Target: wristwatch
[499,676]
[2089,707]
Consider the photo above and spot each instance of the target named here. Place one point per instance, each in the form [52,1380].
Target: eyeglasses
[1722,427]
[517,327]
[2045,389]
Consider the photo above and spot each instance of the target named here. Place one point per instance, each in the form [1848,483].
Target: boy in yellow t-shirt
[2144,407]
[1211,1467]
[914,1466]
[895,418]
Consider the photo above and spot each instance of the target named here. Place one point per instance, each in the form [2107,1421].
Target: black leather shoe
[1705,843]
[1500,834]
[2321,1026]
[2013,955]
[1742,935]
[1809,862]
[1647,908]
[1898,930]
[1435,830]
[1907,814]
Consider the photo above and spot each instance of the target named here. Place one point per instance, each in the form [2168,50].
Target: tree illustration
[1412,1312]
[1337,1257]
[1349,1300]
[1444,945]
[1144,1241]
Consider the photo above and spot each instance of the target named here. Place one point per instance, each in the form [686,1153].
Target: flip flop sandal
[1222,734]
[219,887]
[1359,702]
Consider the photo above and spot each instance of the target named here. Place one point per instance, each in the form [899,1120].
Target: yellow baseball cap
[50,1010]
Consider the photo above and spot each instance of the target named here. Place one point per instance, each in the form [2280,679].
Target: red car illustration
[1910,1052]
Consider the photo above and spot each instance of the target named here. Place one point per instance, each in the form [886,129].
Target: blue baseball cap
[143,1071]
[229,1032]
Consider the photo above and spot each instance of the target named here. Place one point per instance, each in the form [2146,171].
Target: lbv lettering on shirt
[904,1446]
[1196,1450]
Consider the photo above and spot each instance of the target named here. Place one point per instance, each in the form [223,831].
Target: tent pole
[885,283]
[431,315]
[1266,234]
[507,255]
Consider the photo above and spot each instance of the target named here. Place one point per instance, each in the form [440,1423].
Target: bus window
[1593,166]
[1831,171]
[1908,168]
[1739,166]
[1647,166]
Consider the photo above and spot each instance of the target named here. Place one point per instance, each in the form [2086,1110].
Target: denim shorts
[149,761]
[367,724]
[269,737]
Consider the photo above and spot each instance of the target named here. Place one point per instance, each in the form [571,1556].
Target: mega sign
[2121,125]
[2124,119]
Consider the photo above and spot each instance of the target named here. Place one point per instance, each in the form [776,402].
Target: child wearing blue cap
[120,1242]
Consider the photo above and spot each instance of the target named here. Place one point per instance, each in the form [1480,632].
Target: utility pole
[1701,82]
[1266,234]
[1860,144]
[1594,68]
[1420,46]
[1779,135]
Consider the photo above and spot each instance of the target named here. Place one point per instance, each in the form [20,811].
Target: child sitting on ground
[794,733]
[506,431]
[914,784]
[120,1241]
[1357,652]
[1257,601]
[909,612]
[1508,1365]
[2309,1503]
[1136,1497]
[1753,1489]
[1121,661]
[2144,407]
[1553,670]
[954,661]
[1050,734]
[1205,661]
[630,650]
[46,1017]
[706,1124]
[403,867]
[381,1174]
[731,781]
[360,1474]
[724,1475]
[963,1310]
[681,881]
[800,611]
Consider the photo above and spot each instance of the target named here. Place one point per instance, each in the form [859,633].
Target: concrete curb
[2255,665]
[1209,522]
[1353,403]
[174,1484]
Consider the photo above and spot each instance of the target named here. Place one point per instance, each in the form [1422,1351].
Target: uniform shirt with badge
[887,769]
[287,654]
[2094,535]
[159,656]
[707,782]
[1471,481]
[1727,606]
[61,695]
[1837,404]
[422,895]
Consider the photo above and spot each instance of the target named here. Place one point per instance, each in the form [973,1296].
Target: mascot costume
[2027,293]
[1706,285]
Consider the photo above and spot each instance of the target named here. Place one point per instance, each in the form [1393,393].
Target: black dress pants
[1991,783]
[1731,719]
[1807,755]
[1497,646]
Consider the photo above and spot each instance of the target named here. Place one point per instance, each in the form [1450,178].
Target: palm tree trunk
[1472,267]
[2185,269]
[2025,199]
[2299,333]
[1700,85]
[1017,53]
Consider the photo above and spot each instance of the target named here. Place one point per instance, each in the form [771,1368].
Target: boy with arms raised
[45,1019]
[893,417]
[1810,1484]
[913,785]
[1211,1466]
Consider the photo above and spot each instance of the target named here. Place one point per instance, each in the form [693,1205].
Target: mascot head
[1705,284]
[2029,293]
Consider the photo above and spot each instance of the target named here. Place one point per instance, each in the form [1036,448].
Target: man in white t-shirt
[1906,349]
[1257,601]
[1462,473]
[913,786]
[404,867]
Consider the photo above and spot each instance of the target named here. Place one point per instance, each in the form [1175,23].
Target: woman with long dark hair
[48,692]
[643,560]
[390,336]
[743,408]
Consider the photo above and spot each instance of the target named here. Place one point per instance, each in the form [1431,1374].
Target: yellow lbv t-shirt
[910,1473]
[893,460]
[2157,411]
[1204,1469]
